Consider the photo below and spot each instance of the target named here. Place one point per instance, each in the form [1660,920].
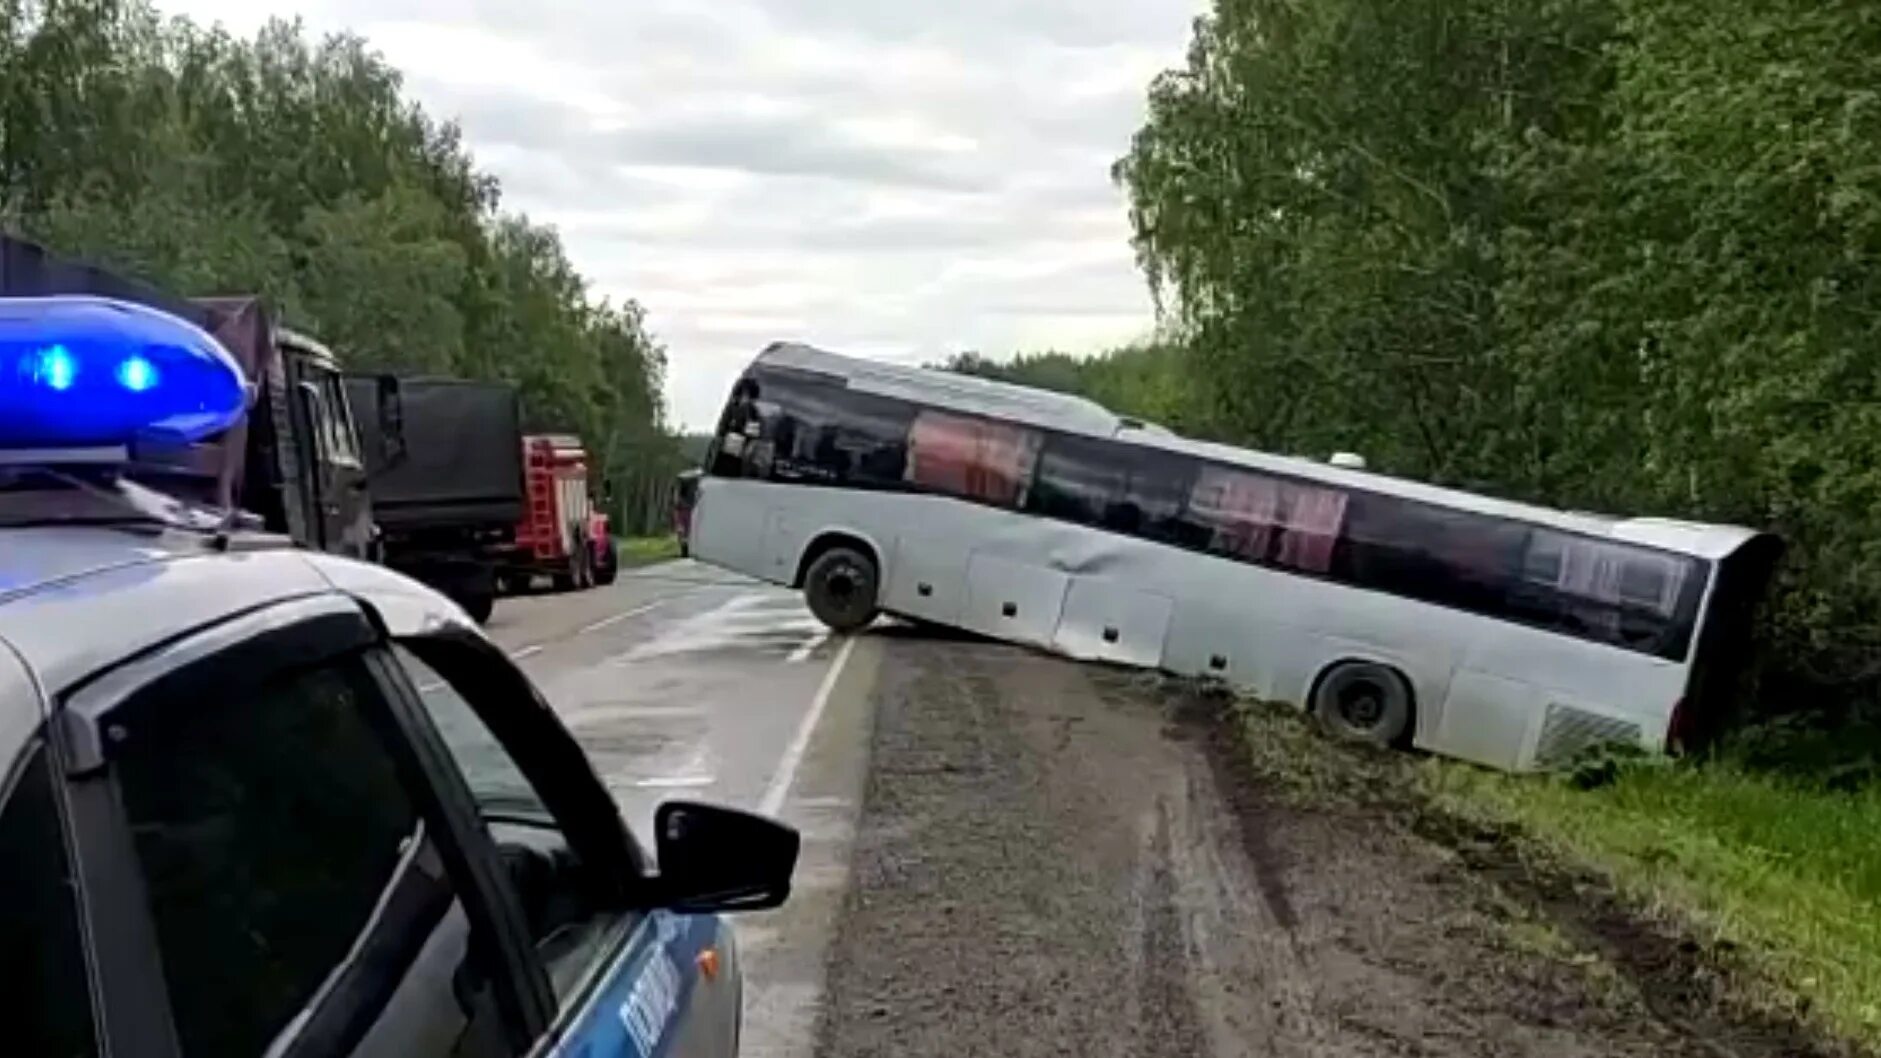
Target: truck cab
[299,460]
[333,478]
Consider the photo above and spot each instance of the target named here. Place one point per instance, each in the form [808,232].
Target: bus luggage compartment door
[1013,600]
[1487,719]
[927,579]
[1107,620]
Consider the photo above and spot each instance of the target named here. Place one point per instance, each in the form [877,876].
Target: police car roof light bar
[82,372]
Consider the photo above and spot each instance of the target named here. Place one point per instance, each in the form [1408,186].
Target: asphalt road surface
[1010,854]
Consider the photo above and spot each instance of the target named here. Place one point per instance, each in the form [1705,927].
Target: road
[1011,854]
[686,682]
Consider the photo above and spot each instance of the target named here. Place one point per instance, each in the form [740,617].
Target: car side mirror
[713,858]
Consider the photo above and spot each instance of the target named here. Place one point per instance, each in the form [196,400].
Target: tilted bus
[1396,611]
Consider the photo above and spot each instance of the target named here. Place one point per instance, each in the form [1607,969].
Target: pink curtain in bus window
[941,451]
[969,457]
[1242,508]
[1313,520]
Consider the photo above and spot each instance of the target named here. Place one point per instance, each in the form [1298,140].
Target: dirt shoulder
[1060,859]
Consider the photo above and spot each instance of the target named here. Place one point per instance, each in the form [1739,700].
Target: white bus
[1398,612]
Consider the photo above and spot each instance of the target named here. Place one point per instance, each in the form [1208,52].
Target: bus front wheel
[1365,702]
[840,587]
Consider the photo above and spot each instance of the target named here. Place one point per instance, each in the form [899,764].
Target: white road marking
[805,648]
[699,632]
[671,782]
[622,616]
[793,756]
[522,652]
[428,687]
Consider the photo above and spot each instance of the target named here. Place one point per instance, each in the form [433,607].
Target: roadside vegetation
[298,170]
[646,550]
[1778,876]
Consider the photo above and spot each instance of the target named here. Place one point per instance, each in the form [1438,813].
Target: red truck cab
[562,534]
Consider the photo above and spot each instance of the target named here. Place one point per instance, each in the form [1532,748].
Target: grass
[645,550]
[1787,876]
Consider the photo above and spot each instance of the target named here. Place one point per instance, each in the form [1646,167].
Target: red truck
[561,535]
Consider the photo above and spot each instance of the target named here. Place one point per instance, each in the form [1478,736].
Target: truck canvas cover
[462,462]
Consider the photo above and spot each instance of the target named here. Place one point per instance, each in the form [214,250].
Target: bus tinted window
[1594,589]
[1258,518]
[822,433]
[1078,481]
[1454,558]
[973,458]
[1119,487]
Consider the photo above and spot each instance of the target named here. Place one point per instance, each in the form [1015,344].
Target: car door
[624,981]
[46,1002]
[270,863]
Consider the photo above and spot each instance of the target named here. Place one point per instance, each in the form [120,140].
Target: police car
[256,800]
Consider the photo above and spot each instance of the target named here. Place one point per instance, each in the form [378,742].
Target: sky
[898,180]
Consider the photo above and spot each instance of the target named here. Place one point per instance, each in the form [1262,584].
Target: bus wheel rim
[1362,704]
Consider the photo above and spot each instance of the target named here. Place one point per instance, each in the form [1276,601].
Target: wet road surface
[685,682]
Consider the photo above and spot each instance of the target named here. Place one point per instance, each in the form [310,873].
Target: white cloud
[901,180]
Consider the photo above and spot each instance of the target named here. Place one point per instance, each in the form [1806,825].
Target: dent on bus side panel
[1012,600]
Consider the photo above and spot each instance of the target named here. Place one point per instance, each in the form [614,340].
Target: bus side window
[1452,558]
[1235,512]
[1079,480]
[975,459]
[857,439]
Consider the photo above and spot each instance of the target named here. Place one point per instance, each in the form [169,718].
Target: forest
[1614,255]
[300,171]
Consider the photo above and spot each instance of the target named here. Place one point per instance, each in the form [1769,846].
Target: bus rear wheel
[840,587]
[1363,701]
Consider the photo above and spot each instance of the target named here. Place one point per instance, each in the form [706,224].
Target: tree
[298,170]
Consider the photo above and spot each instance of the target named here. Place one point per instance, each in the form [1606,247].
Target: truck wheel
[479,605]
[576,579]
[840,587]
[608,567]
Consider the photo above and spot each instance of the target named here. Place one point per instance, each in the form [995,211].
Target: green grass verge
[1787,876]
[643,550]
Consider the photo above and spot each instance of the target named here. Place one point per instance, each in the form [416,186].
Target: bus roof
[947,389]
[1692,538]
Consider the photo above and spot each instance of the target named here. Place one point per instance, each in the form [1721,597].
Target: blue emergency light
[80,372]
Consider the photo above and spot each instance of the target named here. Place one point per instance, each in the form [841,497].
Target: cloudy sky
[896,179]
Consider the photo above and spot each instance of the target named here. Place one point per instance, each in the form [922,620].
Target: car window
[300,906]
[574,936]
[45,1001]
[343,437]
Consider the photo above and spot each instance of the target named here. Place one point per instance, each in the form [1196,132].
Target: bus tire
[1363,701]
[840,587]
